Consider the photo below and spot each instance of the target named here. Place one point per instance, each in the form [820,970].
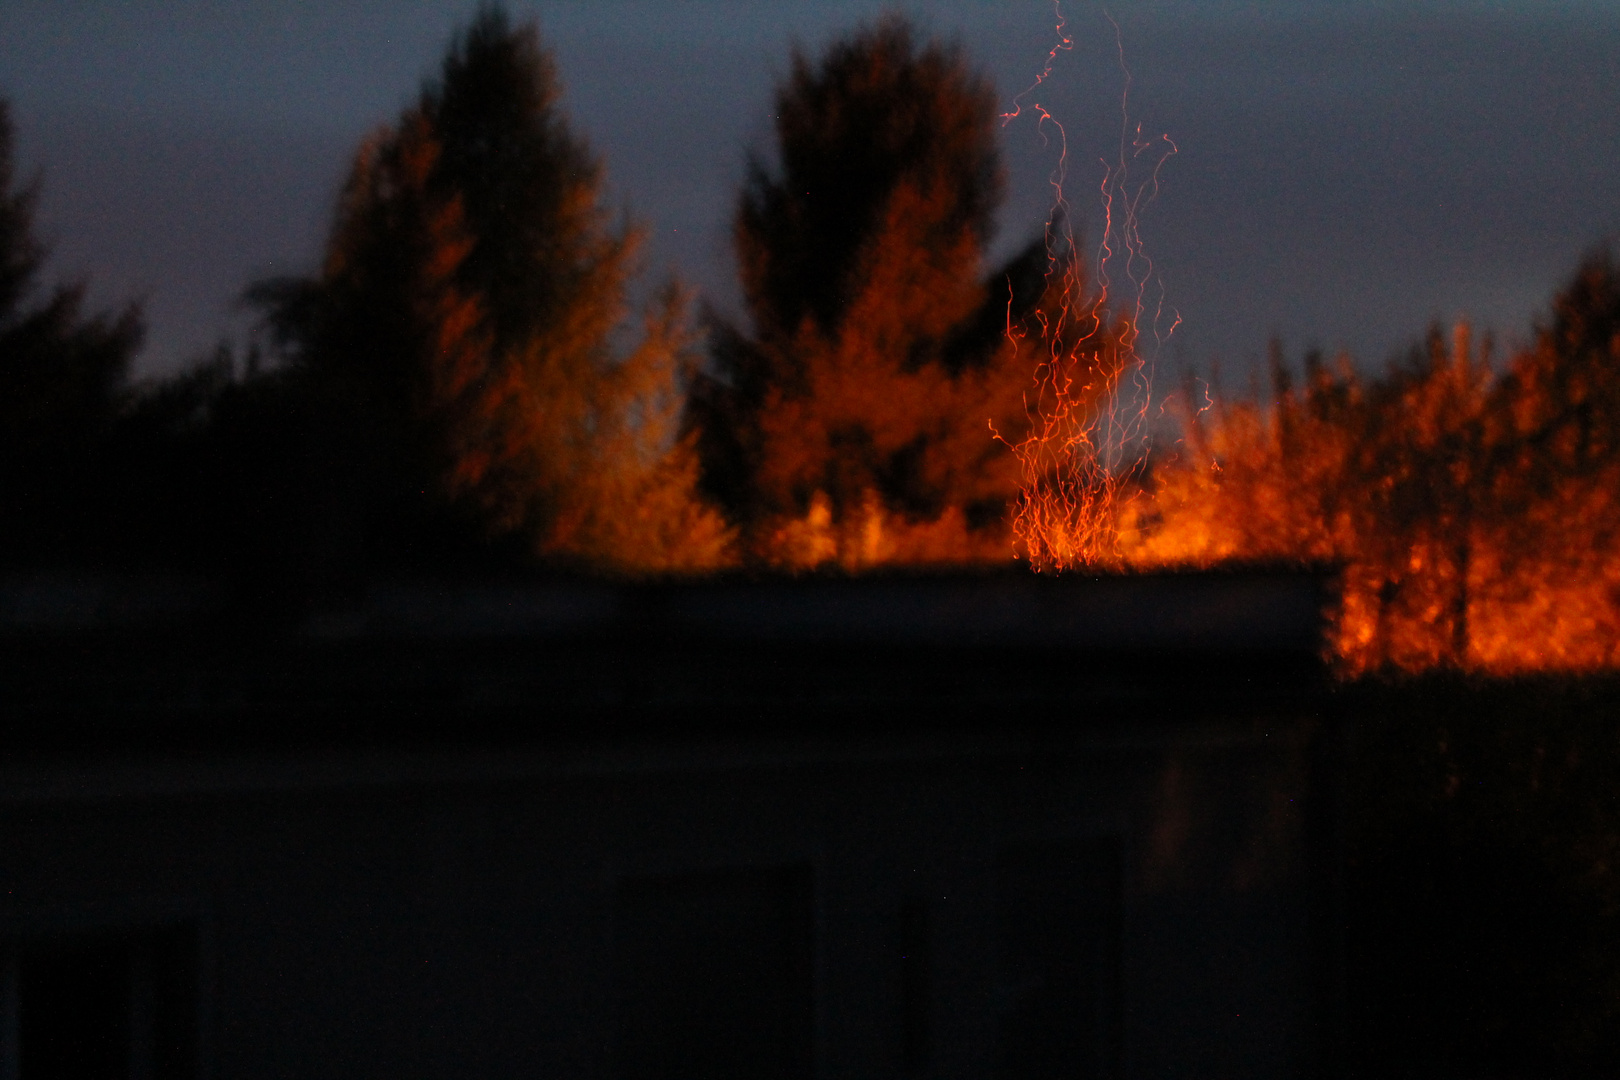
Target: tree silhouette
[1384,477]
[1463,504]
[1554,468]
[877,354]
[457,354]
[61,380]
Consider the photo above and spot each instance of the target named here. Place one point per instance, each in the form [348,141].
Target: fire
[1472,519]
[1467,501]
[1086,452]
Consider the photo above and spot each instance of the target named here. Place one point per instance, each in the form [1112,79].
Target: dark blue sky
[1347,172]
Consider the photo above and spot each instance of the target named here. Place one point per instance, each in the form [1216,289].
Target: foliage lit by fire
[465,386]
[848,422]
[1469,499]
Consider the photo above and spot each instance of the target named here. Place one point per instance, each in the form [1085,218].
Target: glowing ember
[1086,451]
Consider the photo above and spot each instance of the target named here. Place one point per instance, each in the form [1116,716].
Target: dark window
[714,975]
[104,1007]
[1058,979]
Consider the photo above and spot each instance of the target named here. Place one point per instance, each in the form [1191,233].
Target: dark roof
[1212,612]
[122,663]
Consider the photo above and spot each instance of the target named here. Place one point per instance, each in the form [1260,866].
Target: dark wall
[1483,883]
[1126,898]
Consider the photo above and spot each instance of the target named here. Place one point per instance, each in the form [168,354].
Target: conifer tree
[62,376]
[877,356]
[461,335]
[1553,472]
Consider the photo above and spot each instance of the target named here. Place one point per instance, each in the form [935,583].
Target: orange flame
[1091,402]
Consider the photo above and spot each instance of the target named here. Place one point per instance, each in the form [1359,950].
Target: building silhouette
[930,826]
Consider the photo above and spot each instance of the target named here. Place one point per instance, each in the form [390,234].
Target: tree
[456,355]
[878,354]
[62,376]
[1554,470]
[1384,477]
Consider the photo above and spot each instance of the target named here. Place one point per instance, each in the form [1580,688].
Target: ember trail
[1088,445]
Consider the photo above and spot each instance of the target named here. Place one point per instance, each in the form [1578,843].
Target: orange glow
[1462,540]
[1086,451]
[1471,507]
[1471,513]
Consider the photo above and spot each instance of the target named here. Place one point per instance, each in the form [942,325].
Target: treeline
[1471,502]
[463,386]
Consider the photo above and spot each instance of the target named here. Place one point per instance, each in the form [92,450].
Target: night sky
[1347,171]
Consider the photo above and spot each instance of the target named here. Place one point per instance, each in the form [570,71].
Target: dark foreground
[930,826]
